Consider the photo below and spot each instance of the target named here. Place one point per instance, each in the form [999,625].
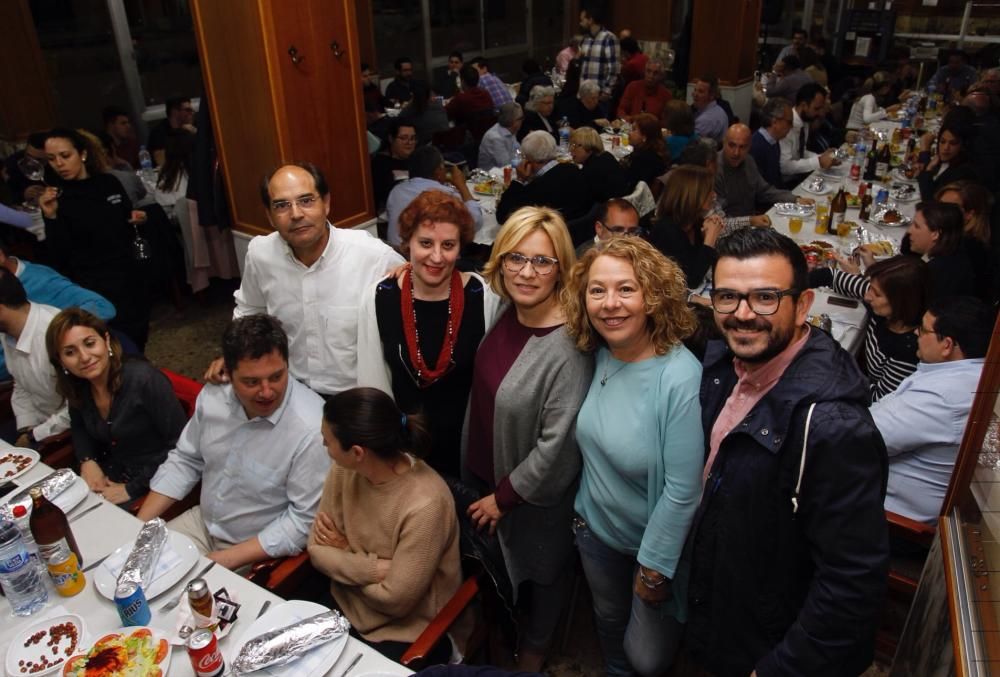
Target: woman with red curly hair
[418,333]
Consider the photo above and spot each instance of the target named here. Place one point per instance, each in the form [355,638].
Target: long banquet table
[104,529]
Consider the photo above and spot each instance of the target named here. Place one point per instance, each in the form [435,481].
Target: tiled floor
[187,339]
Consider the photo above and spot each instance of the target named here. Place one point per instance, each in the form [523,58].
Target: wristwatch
[651,583]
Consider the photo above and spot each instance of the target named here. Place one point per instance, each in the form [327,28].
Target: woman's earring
[66,371]
[111,353]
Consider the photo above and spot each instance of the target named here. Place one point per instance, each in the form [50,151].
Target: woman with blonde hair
[682,230]
[604,176]
[518,447]
[642,444]
[124,415]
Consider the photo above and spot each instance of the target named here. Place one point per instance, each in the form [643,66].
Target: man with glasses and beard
[796,161]
[788,551]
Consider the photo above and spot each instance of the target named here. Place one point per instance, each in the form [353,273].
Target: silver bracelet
[652,585]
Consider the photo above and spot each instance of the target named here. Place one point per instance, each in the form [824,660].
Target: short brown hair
[434,206]
[975,198]
[649,125]
[678,118]
[669,320]
[904,282]
[73,388]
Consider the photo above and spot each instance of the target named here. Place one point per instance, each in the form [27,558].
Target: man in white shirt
[796,161]
[311,276]
[256,446]
[39,410]
[923,420]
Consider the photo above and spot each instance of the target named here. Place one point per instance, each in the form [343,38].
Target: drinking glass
[822,211]
[33,169]
[795,225]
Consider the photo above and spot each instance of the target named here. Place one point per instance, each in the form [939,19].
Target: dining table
[100,528]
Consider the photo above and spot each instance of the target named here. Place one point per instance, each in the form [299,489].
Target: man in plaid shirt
[598,52]
[492,84]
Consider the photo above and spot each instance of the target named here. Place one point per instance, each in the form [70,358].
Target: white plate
[18,652]
[826,189]
[283,615]
[181,544]
[900,176]
[8,468]
[156,634]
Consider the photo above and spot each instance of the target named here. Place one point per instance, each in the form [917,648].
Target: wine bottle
[50,528]
[884,162]
[866,204]
[838,210]
[870,162]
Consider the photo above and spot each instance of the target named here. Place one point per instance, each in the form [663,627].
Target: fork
[177,600]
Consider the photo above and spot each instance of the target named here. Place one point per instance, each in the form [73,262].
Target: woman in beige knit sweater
[386,532]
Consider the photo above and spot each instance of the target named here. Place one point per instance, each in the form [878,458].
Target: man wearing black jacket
[543,181]
[789,550]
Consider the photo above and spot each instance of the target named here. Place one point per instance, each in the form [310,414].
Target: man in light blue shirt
[428,172]
[256,446]
[923,421]
[710,120]
[499,143]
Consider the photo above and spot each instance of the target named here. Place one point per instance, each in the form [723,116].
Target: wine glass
[140,245]
[34,170]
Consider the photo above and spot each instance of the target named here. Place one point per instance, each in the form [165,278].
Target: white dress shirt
[791,164]
[259,477]
[35,402]
[317,305]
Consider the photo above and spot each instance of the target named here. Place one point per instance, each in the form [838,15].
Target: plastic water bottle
[24,588]
[21,519]
[564,134]
[146,171]
[517,158]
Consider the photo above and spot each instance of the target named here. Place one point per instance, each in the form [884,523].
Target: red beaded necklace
[456,304]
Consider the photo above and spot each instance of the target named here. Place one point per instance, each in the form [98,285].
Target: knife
[94,564]
[81,514]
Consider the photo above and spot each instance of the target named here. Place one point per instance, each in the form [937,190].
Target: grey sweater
[742,188]
[534,444]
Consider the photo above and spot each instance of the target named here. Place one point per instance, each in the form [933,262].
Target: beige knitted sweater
[409,520]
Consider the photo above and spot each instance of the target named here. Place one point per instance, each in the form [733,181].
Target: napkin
[168,560]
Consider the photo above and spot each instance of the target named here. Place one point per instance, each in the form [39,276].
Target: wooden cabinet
[283,82]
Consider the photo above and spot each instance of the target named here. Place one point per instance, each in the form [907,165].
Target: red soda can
[203,650]
[615,141]
[855,171]
[508,171]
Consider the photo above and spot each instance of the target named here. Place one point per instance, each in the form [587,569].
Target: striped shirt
[599,60]
[889,357]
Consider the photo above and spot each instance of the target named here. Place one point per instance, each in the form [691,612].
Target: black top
[143,425]
[443,402]
[695,259]
[533,123]
[605,177]
[530,82]
[578,115]
[385,169]
[644,165]
[955,172]
[561,188]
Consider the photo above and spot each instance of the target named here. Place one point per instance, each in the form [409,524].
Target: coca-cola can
[203,650]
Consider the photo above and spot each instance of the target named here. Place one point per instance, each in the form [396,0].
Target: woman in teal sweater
[641,439]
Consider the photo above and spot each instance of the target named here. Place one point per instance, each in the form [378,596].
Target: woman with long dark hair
[90,234]
[418,334]
[124,415]
[895,292]
[953,159]
[936,235]
[682,231]
[386,532]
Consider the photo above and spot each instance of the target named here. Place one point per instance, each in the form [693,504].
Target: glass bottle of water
[24,588]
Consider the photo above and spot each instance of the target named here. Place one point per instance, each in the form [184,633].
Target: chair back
[642,199]
[185,388]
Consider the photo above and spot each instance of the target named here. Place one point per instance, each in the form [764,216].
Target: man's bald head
[736,145]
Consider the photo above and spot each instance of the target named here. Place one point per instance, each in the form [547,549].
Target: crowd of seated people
[556,383]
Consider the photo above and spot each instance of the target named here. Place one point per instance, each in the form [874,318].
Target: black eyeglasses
[761,301]
[635,231]
[515,262]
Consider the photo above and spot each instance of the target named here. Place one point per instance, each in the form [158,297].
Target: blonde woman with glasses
[518,450]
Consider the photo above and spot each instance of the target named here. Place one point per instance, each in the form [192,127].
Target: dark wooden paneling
[26,105]
[235,72]
[728,50]
[647,20]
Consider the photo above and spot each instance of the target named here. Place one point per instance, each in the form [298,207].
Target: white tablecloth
[100,532]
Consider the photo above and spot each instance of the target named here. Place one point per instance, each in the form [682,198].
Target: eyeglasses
[574,144]
[760,301]
[628,231]
[923,331]
[285,206]
[543,265]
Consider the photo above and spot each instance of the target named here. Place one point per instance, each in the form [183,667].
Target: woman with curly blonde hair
[641,439]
